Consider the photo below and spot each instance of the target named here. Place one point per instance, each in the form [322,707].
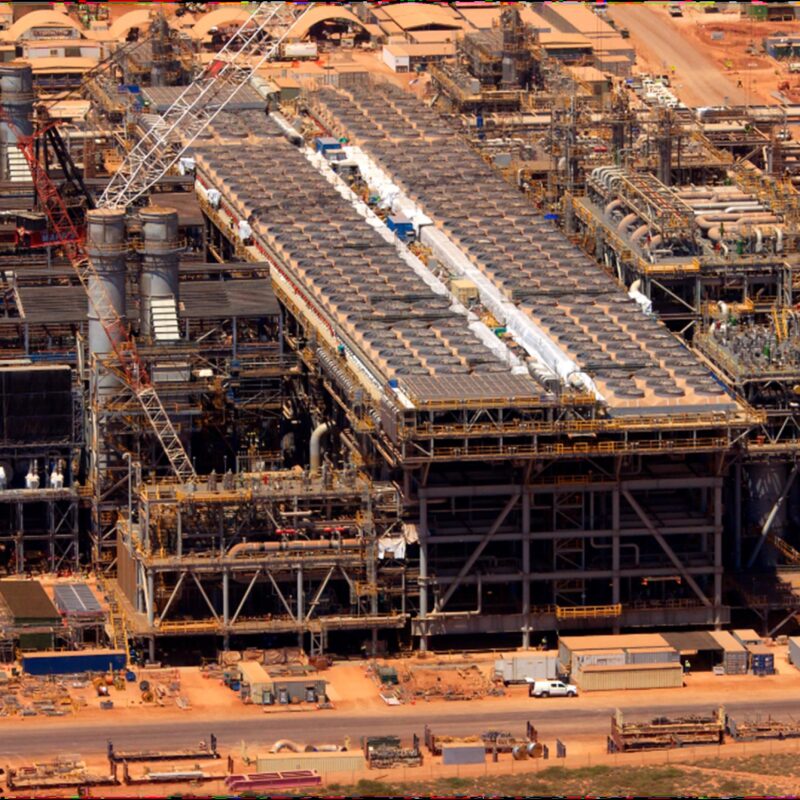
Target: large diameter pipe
[106,245]
[315,446]
[251,548]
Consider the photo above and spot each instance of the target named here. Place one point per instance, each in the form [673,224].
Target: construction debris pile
[385,752]
[520,748]
[750,730]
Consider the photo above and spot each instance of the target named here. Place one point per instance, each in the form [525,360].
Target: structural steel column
[526,569]
[300,606]
[615,550]
[423,572]
[718,557]
[226,608]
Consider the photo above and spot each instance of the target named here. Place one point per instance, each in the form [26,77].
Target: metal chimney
[159,276]
[16,90]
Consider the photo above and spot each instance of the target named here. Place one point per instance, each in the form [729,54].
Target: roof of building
[747,635]
[62,64]
[252,672]
[26,600]
[139,18]
[30,44]
[44,18]
[218,18]
[419,15]
[686,642]
[321,12]
[588,74]
[726,641]
[607,642]
[629,667]
[580,17]
[481,18]
[76,599]
[559,39]
[422,50]
[431,37]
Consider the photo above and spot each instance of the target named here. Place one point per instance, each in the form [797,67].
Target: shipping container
[629,676]
[522,668]
[463,754]
[70,662]
[323,763]
[762,659]
[652,655]
[747,636]
[735,657]
[794,651]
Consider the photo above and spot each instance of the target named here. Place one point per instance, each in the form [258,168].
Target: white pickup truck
[552,689]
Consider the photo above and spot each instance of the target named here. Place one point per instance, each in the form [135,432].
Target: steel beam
[772,514]
[476,553]
[666,548]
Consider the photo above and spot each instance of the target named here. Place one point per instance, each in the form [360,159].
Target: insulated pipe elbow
[626,222]
[315,447]
[612,206]
[639,232]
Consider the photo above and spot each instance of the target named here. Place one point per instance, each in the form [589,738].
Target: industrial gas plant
[380,327]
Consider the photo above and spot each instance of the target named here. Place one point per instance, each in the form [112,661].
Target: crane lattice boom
[258,40]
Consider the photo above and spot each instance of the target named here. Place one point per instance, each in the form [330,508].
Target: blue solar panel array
[76,599]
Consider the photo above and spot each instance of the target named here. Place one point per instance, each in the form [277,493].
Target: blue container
[322,144]
[71,662]
[236,686]
[401,226]
[130,676]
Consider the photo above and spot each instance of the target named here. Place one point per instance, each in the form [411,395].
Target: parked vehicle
[552,689]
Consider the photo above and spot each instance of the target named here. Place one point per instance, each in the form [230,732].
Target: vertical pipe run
[526,569]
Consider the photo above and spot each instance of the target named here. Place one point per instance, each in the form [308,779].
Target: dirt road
[698,80]
[555,718]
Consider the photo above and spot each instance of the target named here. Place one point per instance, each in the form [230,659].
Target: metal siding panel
[463,754]
[67,663]
[611,680]
[324,764]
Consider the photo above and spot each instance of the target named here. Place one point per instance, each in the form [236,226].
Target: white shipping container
[300,50]
[794,650]
[526,668]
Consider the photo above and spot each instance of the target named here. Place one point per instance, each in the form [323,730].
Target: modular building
[527,667]
[734,654]
[629,676]
[256,683]
[605,643]
[263,688]
[73,662]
